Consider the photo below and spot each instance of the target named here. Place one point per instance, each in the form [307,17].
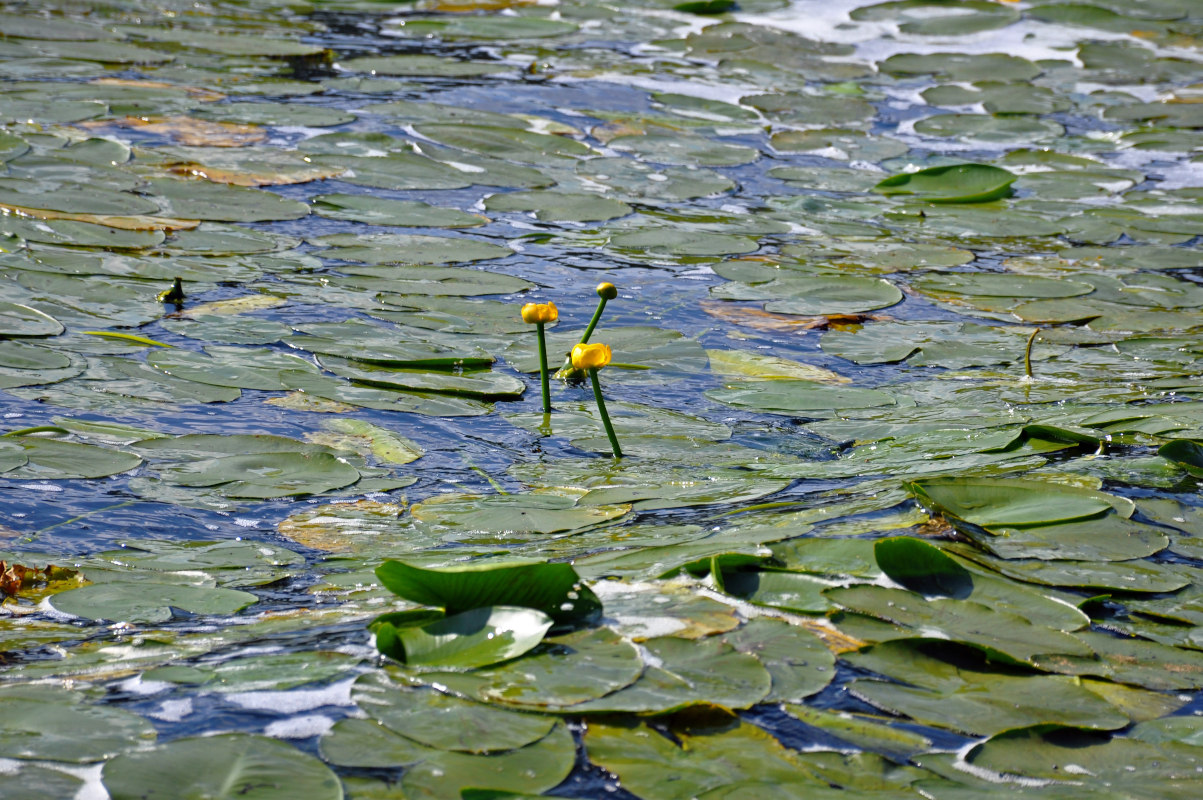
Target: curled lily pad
[1187,454]
[470,639]
[959,183]
[554,589]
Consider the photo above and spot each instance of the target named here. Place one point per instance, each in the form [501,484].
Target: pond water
[906,372]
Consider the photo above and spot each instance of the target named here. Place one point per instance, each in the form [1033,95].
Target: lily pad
[470,639]
[958,183]
[60,729]
[446,722]
[224,767]
[148,602]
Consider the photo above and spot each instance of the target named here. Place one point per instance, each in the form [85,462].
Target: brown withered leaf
[18,579]
[190,130]
[751,317]
[338,527]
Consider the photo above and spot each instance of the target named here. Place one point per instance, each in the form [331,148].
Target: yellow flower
[590,356]
[607,291]
[540,312]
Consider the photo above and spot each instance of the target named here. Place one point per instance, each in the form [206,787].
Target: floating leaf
[958,183]
[59,728]
[554,589]
[148,602]
[225,767]
[467,640]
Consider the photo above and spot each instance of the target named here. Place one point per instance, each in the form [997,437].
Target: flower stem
[601,306]
[1027,353]
[601,409]
[543,370]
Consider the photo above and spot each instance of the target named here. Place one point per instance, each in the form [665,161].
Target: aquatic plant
[590,358]
[605,292]
[539,314]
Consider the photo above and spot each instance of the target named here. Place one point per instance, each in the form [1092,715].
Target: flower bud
[607,291]
[590,356]
[540,312]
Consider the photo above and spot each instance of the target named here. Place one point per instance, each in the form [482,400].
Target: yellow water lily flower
[591,356]
[607,291]
[534,313]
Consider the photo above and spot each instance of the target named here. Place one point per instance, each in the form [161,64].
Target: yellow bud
[607,291]
[590,356]
[540,312]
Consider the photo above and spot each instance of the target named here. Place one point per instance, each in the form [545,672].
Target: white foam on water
[297,700]
[828,21]
[172,710]
[299,727]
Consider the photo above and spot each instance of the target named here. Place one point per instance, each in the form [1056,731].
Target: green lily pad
[218,202]
[554,589]
[1052,752]
[421,65]
[698,758]
[53,730]
[479,384]
[957,183]
[1003,636]
[19,322]
[394,248]
[265,475]
[278,114]
[798,661]
[815,295]
[225,767]
[511,144]
[446,722]
[995,502]
[446,775]
[947,689]
[685,151]
[401,213]
[52,459]
[1185,453]
[560,206]
[534,513]
[234,367]
[470,639]
[799,398]
[688,673]
[148,602]
[562,672]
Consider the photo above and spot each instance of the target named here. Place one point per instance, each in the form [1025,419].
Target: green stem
[601,409]
[601,306]
[543,370]
[1027,354]
[85,515]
